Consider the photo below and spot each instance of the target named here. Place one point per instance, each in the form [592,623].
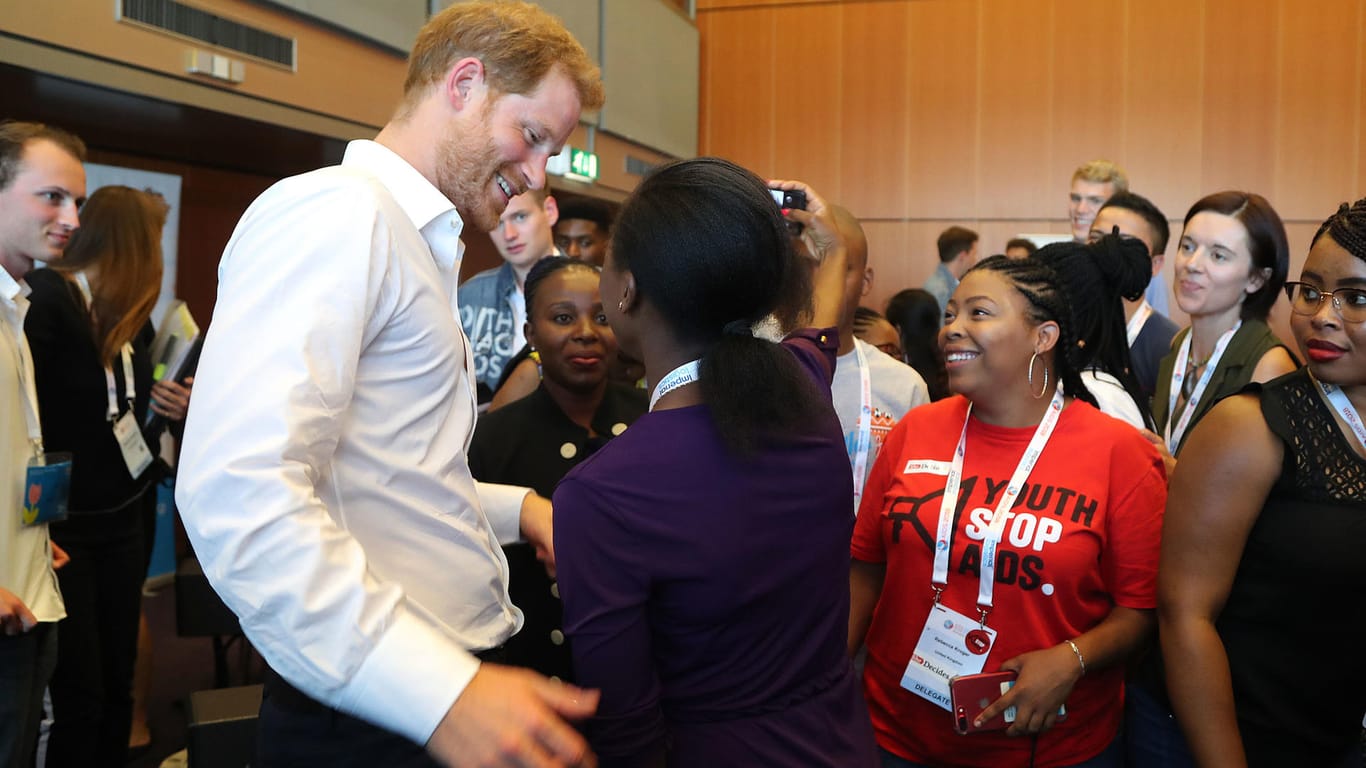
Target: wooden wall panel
[1015,137]
[978,111]
[874,139]
[941,169]
[903,253]
[895,264]
[711,5]
[1089,54]
[807,81]
[1359,93]
[1163,107]
[1240,102]
[739,55]
[1319,119]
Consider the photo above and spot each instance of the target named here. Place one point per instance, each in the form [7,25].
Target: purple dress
[707,597]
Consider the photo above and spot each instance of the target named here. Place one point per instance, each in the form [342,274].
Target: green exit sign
[582,164]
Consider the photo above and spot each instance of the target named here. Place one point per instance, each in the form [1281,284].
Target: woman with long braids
[1013,527]
[1095,276]
[702,554]
[1263,587]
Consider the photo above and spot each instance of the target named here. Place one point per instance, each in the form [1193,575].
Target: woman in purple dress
[703,554]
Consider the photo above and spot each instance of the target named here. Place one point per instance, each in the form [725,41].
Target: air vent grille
[188,21]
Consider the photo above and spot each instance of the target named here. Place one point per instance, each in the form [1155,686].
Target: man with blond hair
[492,305]
[42,184]
[324,478]
[1092,184]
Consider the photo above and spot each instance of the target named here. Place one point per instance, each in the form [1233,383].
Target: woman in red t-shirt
[1064,501]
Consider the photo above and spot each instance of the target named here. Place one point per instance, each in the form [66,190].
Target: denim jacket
[486,315]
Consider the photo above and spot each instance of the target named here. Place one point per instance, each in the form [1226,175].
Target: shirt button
[569,450]
[618,428]
[556,637]
[555,590]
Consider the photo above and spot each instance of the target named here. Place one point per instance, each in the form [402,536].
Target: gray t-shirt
[895,389]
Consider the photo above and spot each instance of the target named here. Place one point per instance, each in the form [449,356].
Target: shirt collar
[429,210]
[12,290]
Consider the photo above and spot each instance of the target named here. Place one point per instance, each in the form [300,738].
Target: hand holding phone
[970,695]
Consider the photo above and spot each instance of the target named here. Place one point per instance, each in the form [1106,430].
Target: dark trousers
[91,689]
[295,731]
[26,663]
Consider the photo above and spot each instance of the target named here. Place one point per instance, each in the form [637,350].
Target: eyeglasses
[1305,299]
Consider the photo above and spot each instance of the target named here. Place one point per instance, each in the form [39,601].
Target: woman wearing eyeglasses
[1230,266]
[1262,587]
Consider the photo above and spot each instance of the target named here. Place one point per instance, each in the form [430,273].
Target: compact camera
[790,198]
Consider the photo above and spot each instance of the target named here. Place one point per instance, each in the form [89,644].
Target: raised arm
[1226,471]
[822,240]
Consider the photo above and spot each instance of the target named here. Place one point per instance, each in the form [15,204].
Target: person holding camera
[1012,527]
[702,554]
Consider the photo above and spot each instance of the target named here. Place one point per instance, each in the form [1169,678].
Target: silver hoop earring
[1043,391]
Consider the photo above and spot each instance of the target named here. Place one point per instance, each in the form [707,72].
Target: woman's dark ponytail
[710,251]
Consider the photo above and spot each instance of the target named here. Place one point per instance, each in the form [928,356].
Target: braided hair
[1042,288]
[545,268]
[1347,227]
[1094,277]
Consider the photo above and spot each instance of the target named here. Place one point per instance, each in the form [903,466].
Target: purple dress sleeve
[815,349]
[604,586]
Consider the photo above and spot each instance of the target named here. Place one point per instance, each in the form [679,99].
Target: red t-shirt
[1084,538]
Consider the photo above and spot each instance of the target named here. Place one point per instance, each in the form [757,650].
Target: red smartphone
[970,694]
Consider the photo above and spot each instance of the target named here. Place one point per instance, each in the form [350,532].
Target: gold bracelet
[1080,659]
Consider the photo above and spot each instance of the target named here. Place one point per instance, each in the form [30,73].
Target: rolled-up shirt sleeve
[297,307]
[503,506]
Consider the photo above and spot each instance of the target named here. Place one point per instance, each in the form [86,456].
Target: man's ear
[867,281]
[464,83]
[1158,260]
[552,211]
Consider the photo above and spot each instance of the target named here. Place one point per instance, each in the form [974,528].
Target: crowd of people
[657,490]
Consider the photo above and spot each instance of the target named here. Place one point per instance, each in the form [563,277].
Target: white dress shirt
[324,479]
[25,555]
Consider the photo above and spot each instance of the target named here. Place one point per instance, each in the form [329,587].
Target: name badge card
[134,448]
[47,489]
[950,645]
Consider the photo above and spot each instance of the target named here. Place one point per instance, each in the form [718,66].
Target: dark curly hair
[1094,277]
[1347,227]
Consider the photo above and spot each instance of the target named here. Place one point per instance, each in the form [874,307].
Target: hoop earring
[1031,377]
[621,305]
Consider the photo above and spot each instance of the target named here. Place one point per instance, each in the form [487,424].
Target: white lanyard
[130,389]
[681,376]
[126,354]
[1135,326]
[1174,434]
[996,527]
[1338,399]
[865,425]
[35,429]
